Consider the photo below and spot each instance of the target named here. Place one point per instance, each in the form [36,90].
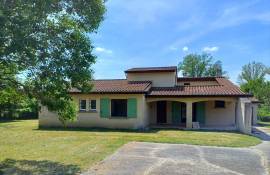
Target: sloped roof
[152,69]
[255,100]
[118,86]
[184,79]
[224,88]
[123,86]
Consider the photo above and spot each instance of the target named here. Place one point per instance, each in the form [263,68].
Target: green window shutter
[104,107]
[132,108]
[176,112]
[200,108]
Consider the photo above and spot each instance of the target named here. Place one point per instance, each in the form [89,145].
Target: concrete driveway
[156,158]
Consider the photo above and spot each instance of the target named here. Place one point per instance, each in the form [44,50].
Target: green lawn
[264,124]
[24,149]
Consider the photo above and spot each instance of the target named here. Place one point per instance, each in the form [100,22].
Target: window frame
[218,104]
[80,105]
[125,110]
[90,105]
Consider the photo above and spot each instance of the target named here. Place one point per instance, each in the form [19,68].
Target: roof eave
[148,71]
[188,96]
[137,92]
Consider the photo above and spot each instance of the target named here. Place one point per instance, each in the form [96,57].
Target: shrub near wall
[264,118]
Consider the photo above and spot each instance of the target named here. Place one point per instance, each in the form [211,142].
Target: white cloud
[139,12]
[231,16]
[210,49]
[185,49]
[103,50]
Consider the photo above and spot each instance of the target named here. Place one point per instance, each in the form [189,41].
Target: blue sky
[139,33]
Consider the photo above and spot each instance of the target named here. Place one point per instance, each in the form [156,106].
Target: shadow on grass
[7,121]
[33,167]
[98,129]
[264,124]
[150,130]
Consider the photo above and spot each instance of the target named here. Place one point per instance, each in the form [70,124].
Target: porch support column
[189,115]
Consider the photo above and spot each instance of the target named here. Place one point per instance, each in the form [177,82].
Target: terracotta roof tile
[225,88]
[118,86]
[181,79]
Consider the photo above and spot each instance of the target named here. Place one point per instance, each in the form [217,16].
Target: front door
[161,112]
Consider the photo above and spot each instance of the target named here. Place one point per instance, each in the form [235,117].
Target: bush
[264,110]
[265,118]
[23,109]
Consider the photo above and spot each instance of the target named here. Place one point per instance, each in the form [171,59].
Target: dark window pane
[219,104]
[119,107]
[82,104]
[93,104]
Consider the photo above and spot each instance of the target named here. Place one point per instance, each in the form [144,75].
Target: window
[82,105]
[219,104]
[186,84]
[119,108]
[92,104]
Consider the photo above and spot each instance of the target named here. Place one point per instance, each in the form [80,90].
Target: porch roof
[224,88]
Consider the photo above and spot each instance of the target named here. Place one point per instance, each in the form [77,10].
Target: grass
[25,149]
[264,124]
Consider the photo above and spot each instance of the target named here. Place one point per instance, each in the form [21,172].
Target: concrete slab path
[156,158]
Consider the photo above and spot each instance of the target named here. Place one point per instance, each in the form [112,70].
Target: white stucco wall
[146,113]
[244,115]
[254,113]
[159,79]
[220,116]
[93,119]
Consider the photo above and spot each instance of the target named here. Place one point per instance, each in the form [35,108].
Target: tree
[195,65]
[216,70]
[252,80]
[47,42]
[264,109]
[253,71]
[253,87]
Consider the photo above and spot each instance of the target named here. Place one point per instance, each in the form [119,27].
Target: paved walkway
[156,158]
[264,147]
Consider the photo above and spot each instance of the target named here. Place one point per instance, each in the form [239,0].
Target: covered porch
[200,113]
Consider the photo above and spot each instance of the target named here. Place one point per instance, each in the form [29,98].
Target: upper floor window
[92,104]
[219,104]
[186,84]
[82,105]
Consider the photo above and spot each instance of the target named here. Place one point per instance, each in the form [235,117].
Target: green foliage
[254,87]
[264,113]
[195,65]
[216,70]
[253,81]
[253,71]
[15,104]
[67,110]
[47,43]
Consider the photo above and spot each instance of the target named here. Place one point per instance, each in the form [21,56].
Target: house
[156,96]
